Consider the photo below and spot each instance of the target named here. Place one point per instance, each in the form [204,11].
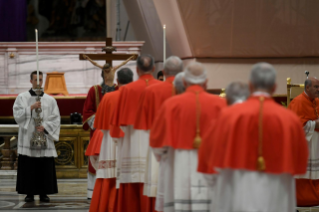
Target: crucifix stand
[108,57]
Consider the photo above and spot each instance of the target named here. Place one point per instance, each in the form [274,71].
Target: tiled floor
[71,197]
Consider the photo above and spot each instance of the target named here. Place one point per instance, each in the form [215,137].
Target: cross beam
[108,56]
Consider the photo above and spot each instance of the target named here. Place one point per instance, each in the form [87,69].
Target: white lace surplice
[24,117]
[240,190]
[184,188]
[132,156]
[152,166]
[312,137]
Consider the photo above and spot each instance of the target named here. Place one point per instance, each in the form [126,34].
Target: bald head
[173,65]
[237,92]
[178,83]
[312,87]
[195,74]
[145,63]
[263,77]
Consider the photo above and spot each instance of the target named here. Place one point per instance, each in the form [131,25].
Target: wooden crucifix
[108,70]
[108,56]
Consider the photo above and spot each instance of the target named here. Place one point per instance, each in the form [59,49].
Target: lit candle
[164,44]
[36,43]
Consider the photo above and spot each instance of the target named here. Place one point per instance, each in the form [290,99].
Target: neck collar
[307,97]
[195,88]
[170,79]
[261,93]
[146,76]
[31,91]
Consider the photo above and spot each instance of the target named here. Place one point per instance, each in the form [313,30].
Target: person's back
[175,136]
[255,149]
[106,170]
[132,150]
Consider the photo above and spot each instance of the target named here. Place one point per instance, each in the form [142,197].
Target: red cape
[232,142]
[105,114]
[175,123]
[94,146]
[125,113]
[151,100]
[91,104]
[305,108]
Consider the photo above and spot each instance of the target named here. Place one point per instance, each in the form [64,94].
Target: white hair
[173,65]
[237,91]
[195,73]
[178,82]
[263,76]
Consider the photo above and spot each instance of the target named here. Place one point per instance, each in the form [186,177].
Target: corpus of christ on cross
[108,56]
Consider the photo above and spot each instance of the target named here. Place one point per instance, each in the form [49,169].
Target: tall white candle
[164,44]
[36,41]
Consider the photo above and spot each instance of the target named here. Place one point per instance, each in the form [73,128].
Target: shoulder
[298,99]
[24,95]
[49,98]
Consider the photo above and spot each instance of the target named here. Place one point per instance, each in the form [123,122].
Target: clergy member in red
[306,106]
[105,192]
[257,148]
[133,150]
[149,104]
[91,104]
[176,134]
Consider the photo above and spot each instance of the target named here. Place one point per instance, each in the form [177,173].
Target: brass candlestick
[38,140]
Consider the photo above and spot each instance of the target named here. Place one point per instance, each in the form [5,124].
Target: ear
[273,89]
[117,81]
[163,72]
[205,84]
[184,83]
[251,87]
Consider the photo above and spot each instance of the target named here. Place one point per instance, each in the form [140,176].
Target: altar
[71,161]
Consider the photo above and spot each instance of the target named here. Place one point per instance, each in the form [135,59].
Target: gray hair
[124,76]
[308,82]
[178,82]
[173,65]
[145,63]
[237,91]
[195,73]
[263,76]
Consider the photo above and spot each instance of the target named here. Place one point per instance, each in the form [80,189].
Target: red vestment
[233,141]
[307,190]
[126,114]
[151,100]
[91,104]
[105,189]
[175,123]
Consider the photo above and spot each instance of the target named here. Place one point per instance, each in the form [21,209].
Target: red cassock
[233,140]
[175,124]
[151,100]
[307,190]
[105,193]
[91,104]
[130,195]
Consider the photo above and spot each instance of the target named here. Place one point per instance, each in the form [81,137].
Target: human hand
[40,128]
[85,57]
[36,105]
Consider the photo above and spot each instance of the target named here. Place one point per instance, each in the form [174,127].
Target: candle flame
[36,30]
[164,26]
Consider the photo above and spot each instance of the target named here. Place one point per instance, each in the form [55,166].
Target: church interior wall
[223,71]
